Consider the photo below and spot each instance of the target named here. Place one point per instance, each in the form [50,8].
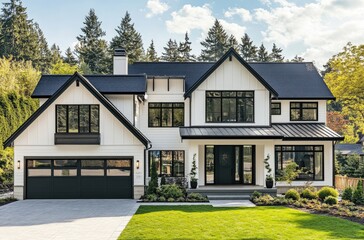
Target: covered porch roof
[284,131]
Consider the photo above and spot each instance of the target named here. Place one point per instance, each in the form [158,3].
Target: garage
[65,178]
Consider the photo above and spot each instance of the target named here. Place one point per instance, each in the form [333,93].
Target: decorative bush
[255,194]
[196,197]
[161,199]
[171,199]
[308,194]
[163,180]
[330,200]
[358,195]
[170,191]
[292,194]
[347,194]
[327,191]
[153,183]
[152,197]
[264,200]
[180,199]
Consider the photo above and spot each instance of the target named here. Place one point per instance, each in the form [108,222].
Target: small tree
[269,176]
[358,195]
[289,173]
[193,172]
[153,182]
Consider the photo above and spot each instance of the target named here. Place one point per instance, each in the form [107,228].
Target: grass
[206,222]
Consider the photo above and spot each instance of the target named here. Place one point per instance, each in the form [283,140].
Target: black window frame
[161,162]
[161,110]
[236,104]
[279,108]
[301,108]
[78,116]
[280,161]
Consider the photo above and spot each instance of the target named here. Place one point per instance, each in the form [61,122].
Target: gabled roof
[105,84]
[87,84]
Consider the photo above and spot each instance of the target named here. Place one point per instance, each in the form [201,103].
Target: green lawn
[206,222]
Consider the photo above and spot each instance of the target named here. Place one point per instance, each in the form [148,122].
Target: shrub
[327,191]
[152,197]
[347,194]
[163,180]
[161,199]
[292,194]
[255,194]
[308,194]
[181,199]
[264,200]
[330,200]
[153,183]
[358,195]
[196,197]
[170,191]
[171,199]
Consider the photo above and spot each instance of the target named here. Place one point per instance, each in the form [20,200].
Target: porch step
[228,197]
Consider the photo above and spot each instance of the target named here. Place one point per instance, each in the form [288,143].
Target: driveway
[65,219]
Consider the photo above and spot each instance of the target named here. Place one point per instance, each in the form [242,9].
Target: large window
[77,118]
[275,108]
[166,114]
[310,161]
[304,111]
[229,106]
[169,163]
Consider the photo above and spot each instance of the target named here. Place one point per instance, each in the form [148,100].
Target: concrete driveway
[65,219]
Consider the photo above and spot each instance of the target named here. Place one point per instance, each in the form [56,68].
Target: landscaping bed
[4,201]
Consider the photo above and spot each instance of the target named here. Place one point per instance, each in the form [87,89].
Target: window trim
[279,108]
[78,119]
[160,122]
[301,108]
[236,110]
[276,163]
[160,163]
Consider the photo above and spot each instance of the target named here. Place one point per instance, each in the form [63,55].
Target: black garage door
[75,178]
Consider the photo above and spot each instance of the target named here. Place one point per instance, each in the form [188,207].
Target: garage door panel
[39,187]
[66,187]
[119,187]
[93,187]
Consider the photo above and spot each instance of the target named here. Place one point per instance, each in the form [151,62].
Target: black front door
[224,165]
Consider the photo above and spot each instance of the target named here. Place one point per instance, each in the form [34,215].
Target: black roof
[88,85]
[284,131]
[105,84]
[349,149]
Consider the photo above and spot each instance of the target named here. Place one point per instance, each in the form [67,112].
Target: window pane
[178,117]
[178,164]
[65,172]
[319,166]
[248,164]
[167,117]
[295,114]
[213,110]
[92,172]
[65,163]
[61,118]
[210,164]
[92,163]
[245,110]
[154,117]
[166,163]
[118,172]
[229,94]
[39,163]
[229,109]
[39,172]
[73,119]
[118,163]
[156,157]
[95,118]
[213,94]
[84,118]
[309,114]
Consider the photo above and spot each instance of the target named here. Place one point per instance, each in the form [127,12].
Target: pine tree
[69,57]
[185,50]
[233,43]
[55,54]
[171,53]
[151,55]
[262,55]
[297,59]
[42,57]
[129,39]
[92,49]
[276,54]
[247,49]
[215,44]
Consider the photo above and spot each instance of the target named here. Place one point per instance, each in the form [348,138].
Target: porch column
[269,150]
[192,150]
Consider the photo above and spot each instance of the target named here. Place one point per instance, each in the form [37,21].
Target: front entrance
[226,164]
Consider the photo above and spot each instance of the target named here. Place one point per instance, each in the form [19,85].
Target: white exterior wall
[38,139]
[285,111]
[125,103]
[231,76]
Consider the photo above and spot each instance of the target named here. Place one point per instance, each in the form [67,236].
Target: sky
[313,29]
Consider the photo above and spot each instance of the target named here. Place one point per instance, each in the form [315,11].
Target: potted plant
[193,173]
[268,178]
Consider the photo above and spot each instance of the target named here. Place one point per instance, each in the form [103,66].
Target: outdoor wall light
[137,164]
[18,164]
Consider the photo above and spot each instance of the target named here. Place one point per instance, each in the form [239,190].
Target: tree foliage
[248,50]
[185,49]
[276,54]
[171,53]
[151,55]
[262,54]
[69,57]
[64,68]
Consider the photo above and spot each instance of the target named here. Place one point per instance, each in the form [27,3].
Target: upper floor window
[275,108]
[77,118]
[166,114]
[230,106]
[304,111]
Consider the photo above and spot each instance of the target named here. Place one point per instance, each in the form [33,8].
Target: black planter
[269,183]
[193,184]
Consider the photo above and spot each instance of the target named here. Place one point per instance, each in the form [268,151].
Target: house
[94,136]
[347,149]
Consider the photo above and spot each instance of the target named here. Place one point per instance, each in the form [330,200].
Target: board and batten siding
[124,103]
[285,111]
[231,76]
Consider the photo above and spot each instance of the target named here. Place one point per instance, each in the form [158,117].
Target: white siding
[285,111]
[124,103]
[231,76]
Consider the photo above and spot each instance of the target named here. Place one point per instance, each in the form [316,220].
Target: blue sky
[314,29]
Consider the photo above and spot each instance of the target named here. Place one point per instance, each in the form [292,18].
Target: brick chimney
[120,62]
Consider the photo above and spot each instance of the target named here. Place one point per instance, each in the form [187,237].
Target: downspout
[145,164]
[333,163]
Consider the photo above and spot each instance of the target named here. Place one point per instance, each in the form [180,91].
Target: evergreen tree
[55,54]
[262,54]
[41,59]
[69,57]
[276,54]
[215,44]
[233,43]
[171,53]
[129,39]
[185,50]
[247,49]
[151,55]
[92,49]
[297,59]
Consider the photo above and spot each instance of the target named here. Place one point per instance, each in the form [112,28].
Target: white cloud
[322,27]
[156,7]
[243,13]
